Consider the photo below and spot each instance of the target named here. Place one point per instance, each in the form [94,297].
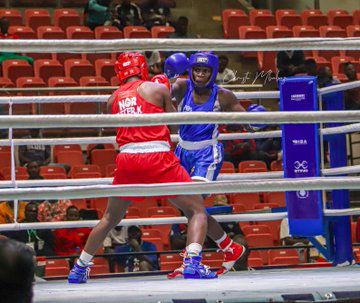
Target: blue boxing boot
[79,274]
[194,269]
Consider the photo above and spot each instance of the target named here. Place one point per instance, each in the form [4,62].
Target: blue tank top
[199,132]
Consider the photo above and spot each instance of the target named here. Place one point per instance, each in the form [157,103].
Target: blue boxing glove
[176,65]
[257,108]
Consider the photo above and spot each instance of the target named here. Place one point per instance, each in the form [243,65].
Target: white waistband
[145,147]
[195,145]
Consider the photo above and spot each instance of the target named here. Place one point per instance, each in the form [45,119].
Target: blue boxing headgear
[206,59]
[176,65]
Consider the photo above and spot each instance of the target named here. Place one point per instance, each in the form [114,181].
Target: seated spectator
[33,169]
[126,13]
[225,75]
[4,34]
[182,29]
[70,241]
[7,211]
[53,210]
[325,77]
[238,150]
[40,240]
[97,13]
[310,67]
[34,152]
[154,13]
[136,244]
[153,60]
[352,96]
[17,272]
[116,237]
[290,63]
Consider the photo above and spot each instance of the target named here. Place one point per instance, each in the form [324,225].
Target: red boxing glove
[162,79]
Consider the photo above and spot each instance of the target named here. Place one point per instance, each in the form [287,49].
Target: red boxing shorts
[144,168]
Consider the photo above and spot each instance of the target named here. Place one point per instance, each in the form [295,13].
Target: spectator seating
[255,259]
[107,32]
[252,166]
[29,82]
[5,83]
[86,175]
[86,168]
[231,20]
[337,66]
[274,230]
[90,147]
[356,16]
[37,17]
[62,57]
[162,210]
[105,68]
[275,197]
[45,68]
[276,31]
[261,18]
[248,200]
[79,203]
[250,32]
[276,166]
[330,31]
[306,31]
[70,157]
[161,31]
[164,229]
[227,167]
[79,32]
[353,30]
[50,32]
[314,18]
[260,240]
[110,170]
[213,259]
[150,233]
[266,205]
[133,211]
[170,262]
[255,229]
[56,268]
[136,32]
[20,172]
[23,32]
[103,157]
[52,170]
[340,18]
[66,17]
[92,57]
[266,62]
[12,15]
[13,69]
[287,17]
[283,257]
[65,147]
[157,241]
[238,208]
[76,69]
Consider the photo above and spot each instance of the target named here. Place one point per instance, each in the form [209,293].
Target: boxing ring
[254,286]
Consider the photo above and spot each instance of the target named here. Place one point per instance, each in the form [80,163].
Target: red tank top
[129,102]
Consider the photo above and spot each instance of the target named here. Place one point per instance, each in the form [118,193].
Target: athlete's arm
[228,101]
[178,89]
[109,104]
[169,108]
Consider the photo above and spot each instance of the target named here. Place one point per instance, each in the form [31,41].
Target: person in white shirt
[225,75]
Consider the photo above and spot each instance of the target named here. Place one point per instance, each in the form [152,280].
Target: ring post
[341,229]
[301,156]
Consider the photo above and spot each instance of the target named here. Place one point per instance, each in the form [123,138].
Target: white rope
[54,121]
[116,45]
[216,187]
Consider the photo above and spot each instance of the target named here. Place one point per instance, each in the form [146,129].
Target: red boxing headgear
[131,64]
[163,79]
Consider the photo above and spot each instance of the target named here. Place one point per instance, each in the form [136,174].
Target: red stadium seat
[305,31]
[278,32]
[87,175]
[37,17]
[330,31]
[62,57]
[99,270]
[50,32]
[20,172]
[337,64]
[135,211]
[87,168]
[54,176]
[267,61]
[14,69]
[356,16]
[66,17]
[102,158]
[276,166]
[314,18]
[251,165]
[255,259]
[247,200]
[99,203]
[145,204]
[162,210]
[56,271]
[92,146]
[12,15]
[136,32]
[93,81]
[283,257]
[260,240]
[164,229]
[266,205]
[353,30]
[108,32]
[255,229]
[161,31]
[5,159]
[65,147]
[57,263]
[114,81]
[76,69]
[5,83]
[95,56]
[275,197]
[70,157]
[52,170]
[287,17]
[231,20]
[227,167]
[79,32]
[23,32]
[150,233]
[29,82]
[110,170]
[238,208]
[261,18]
[340,18]
[105,68]
[251,32]
[45,68]
[158,243]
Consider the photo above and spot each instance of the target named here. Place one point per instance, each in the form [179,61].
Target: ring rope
[216,187]
[104,98]
[355,127]
[54,121]
[116,45]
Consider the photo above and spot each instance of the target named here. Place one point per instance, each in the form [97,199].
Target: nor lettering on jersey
[128,106]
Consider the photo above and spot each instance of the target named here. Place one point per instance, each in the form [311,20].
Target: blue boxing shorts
[202,164]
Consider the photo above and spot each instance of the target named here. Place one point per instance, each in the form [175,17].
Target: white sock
[218,241]
[84,259]
[194,249]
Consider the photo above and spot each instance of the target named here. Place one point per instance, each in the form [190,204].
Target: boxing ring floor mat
[249,286]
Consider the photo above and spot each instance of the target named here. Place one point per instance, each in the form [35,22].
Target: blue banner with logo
[301,156]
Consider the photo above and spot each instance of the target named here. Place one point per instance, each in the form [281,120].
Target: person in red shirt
[70,241]
[145,157]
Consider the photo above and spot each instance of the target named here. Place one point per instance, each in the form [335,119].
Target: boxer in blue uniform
[199,151]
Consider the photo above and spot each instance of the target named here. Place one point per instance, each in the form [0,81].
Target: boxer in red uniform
[145,157]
